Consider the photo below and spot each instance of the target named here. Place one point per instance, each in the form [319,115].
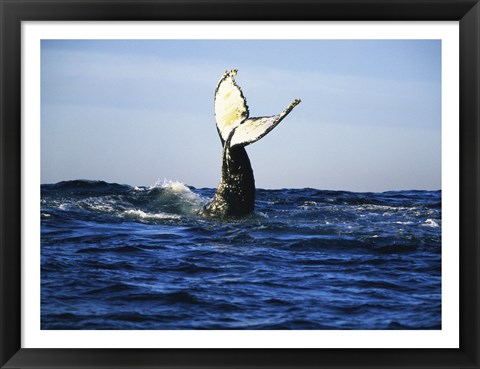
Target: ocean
[118,257]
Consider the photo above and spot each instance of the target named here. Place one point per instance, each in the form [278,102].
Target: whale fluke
[236,193]
[230,105]
[253,129]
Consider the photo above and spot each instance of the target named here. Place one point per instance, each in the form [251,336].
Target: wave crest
[166,200]
[175,196]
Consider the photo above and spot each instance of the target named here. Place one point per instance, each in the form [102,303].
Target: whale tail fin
[232,114]
[253,129]
[230,105]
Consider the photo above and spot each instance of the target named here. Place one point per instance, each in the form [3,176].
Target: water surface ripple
[121,257]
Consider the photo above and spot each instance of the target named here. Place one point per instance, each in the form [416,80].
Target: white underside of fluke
[231,113]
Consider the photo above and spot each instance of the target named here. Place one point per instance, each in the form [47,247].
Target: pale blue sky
[136,112]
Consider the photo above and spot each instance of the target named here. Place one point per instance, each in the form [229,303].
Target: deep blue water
[121,257]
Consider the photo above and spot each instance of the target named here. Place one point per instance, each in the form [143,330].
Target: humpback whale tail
[232,114]
[236,193]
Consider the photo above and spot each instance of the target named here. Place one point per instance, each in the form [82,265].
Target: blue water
[121,257]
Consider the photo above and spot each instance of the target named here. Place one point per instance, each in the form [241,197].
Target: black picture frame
[13,12]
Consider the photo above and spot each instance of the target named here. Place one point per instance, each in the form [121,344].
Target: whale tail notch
[232,114]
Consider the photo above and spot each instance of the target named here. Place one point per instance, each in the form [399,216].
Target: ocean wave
[165,201]
[124,257]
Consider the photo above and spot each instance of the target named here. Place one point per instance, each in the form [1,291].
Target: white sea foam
[431,223]
[309,205]
[262,215]
[176,186]
[100,206]
[143,215]
[385,208]
[181,191]
[65,206]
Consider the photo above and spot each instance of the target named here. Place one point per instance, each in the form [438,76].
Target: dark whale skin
[235,196]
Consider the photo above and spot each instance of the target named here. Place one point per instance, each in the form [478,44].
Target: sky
[138,112]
